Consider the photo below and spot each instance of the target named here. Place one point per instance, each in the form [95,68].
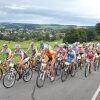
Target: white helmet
[70,47]
[46,46]
[98,45]
[17,46]
[79,46]
[4,45]
[61,45]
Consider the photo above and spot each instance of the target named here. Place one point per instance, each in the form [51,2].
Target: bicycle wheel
[27,76]
[9,79]
[73,71]
[98,64]
[86,69]
[64,74]
[80,64]
[40,79]
[95,64]
[1,73]
[58,69]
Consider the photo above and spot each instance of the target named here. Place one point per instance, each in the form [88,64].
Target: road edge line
[96,93]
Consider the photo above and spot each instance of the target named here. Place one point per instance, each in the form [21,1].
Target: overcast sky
[77,12]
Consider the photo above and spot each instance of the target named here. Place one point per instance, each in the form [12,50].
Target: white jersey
[6,51]
[21,54]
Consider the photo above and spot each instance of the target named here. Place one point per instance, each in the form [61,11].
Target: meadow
[24,45]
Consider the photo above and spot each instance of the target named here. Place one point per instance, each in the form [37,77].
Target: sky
[64,12]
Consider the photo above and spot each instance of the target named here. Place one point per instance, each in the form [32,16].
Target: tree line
[83,35]
[71,35]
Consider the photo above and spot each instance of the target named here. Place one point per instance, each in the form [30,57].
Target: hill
[39,26]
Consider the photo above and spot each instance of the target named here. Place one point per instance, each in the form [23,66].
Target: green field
[24,46]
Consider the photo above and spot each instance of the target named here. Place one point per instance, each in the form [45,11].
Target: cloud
[80,12]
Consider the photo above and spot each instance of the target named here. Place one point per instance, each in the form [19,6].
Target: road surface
[77,88]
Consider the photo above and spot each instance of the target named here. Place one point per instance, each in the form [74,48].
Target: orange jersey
[51,54]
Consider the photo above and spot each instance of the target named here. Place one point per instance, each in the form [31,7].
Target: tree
[47,37]
[98,31]
[91,34]
[71,36]
[1,36]
[98,28]
[82,37]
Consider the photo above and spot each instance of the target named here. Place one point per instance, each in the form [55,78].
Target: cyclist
[34,51]
[51,55]
[61,52]
[32,48]
[81,53]
[71,55]
[24,58]
[9,55]
[91,54]
[98,49]
[80,50]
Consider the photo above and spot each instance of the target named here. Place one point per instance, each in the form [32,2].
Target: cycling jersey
[71,56]
[21,54]
[61,54]
[81,51]
[75,49]
[8,53]
[63,50]
[34,50]
[90,54]
[50,54]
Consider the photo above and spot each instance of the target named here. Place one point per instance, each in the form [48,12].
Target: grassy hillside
[24,46]
[57,27]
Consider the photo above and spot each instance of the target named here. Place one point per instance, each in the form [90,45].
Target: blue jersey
[71,56]
[75,49]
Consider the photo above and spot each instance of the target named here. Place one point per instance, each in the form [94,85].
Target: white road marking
[96,94]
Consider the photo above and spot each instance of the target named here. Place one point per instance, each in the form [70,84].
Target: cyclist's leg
[22,63]
[7,65]
[52,70]
[33,62]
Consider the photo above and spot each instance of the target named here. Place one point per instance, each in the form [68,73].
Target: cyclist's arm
[53,58]
[27,49]
[65,57]
[10,54]
[45,59]
[77,52]
[1,51]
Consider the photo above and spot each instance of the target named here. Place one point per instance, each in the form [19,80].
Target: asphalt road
[77,88]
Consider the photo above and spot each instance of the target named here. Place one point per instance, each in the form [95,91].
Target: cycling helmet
[17,46]
[46,46]
[4,45]
[70,47]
